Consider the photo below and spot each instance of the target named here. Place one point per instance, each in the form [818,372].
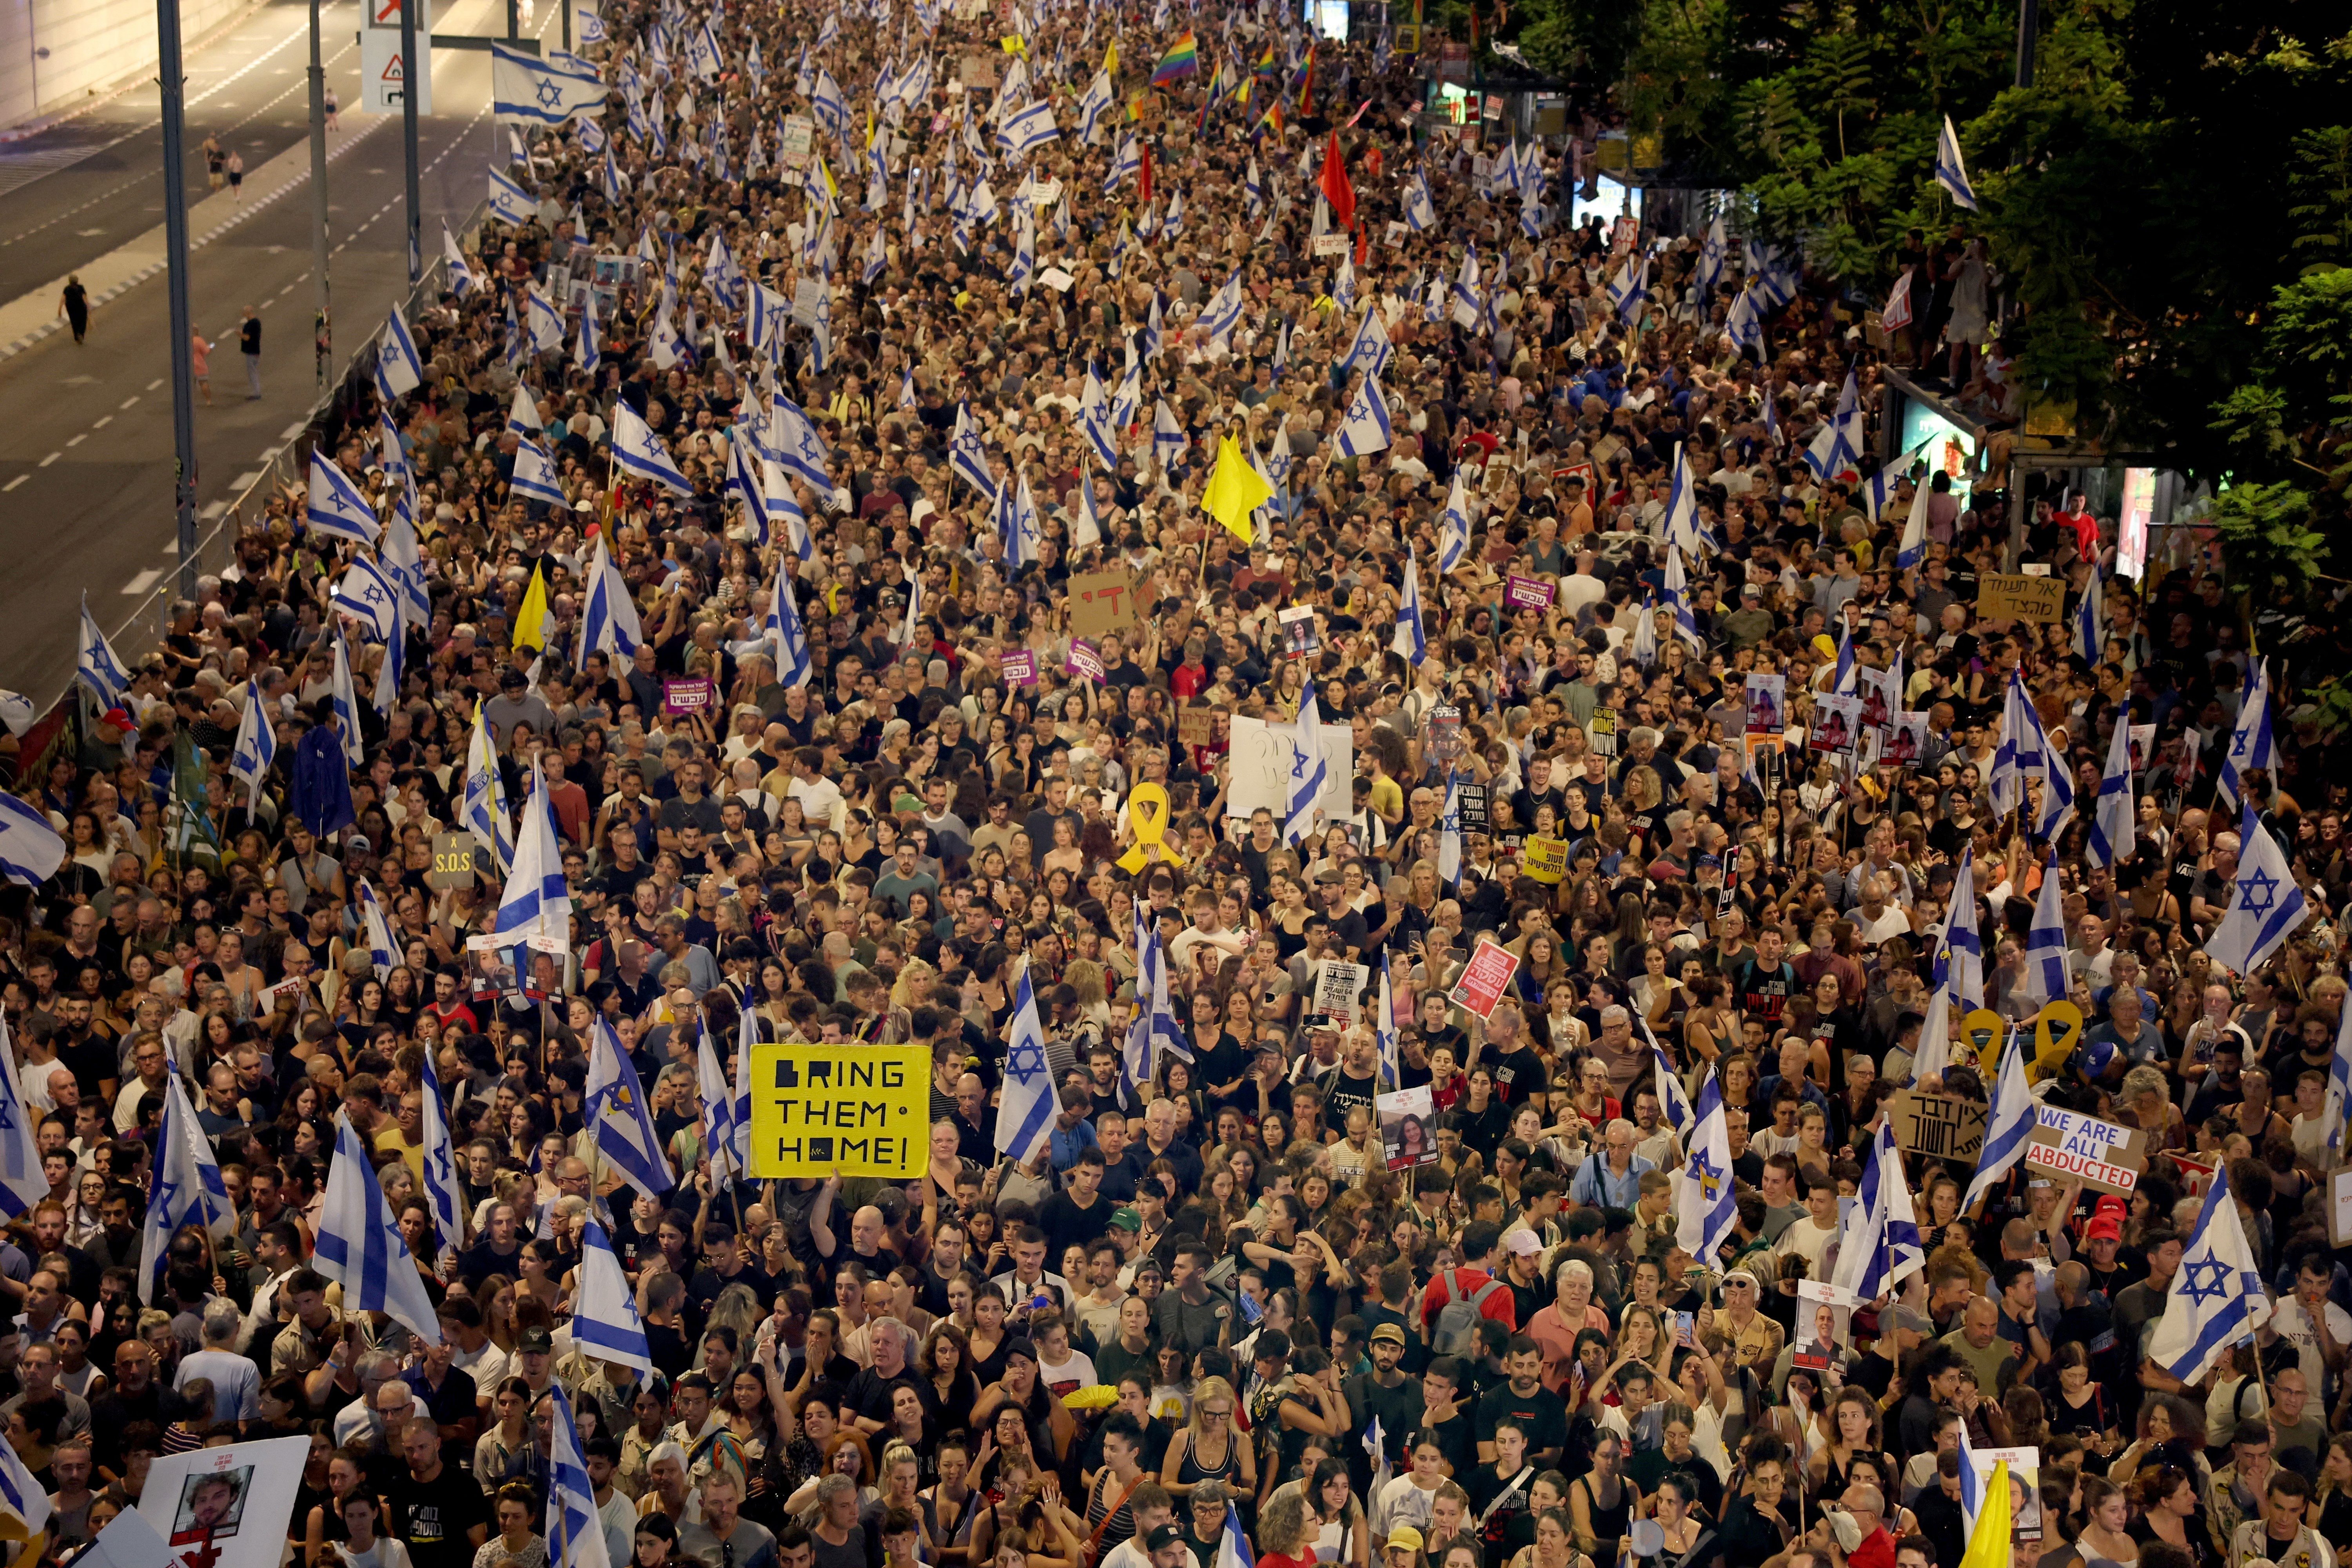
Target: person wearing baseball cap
[1384,1394]
[1166,1544]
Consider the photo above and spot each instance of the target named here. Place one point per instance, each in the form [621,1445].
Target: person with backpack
[1454,1302]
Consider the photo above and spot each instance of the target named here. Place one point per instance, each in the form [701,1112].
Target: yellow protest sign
[1983,1031]
[1545,859]
[1147,813]
[2057,1030]
[863,1110]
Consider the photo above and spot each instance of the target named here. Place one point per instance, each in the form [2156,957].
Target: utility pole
[2029,24]
[175,272]
[319,193]
[408,130]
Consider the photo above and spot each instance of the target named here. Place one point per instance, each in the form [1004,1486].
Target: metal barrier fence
[60,723]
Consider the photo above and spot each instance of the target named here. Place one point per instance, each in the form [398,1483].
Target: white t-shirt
[2291,1321]
[1078,1372]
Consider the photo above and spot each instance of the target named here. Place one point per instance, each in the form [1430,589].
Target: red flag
[1143,177]
[1333,182]
[1363,244]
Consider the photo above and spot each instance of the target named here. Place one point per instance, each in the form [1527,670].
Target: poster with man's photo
[1824,1325]
[1408,1119]
[228,1507]
[2024,1486]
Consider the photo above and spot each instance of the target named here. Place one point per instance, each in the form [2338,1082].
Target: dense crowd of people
[1226,1297]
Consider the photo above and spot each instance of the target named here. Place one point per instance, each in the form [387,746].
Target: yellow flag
[1989,1542]
[832,188]
[1110,62]
[1235,490]
[532,617]
[1012,45]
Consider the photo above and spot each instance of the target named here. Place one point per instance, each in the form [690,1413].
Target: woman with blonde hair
[1086,978]
[1208,1448]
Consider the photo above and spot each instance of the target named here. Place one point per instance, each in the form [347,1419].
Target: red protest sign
[1484,979]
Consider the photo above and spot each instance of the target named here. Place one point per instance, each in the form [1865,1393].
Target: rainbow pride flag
[1183,59]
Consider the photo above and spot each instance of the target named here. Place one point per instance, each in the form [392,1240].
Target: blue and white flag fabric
[2009,1128]
[527,91]
[2267,905]
[608,621]
[537,902]
[22,1182]
[588,345]
[2089,614]
[1412,640]
[255,749]
[1222,313]
[1952,170]
[1371,346]
[587,27]
[462,280]
[966,459]
[827,105]
[482,810]
[1712,253]
[2338,1102]
[641,454]
[1092,107]
[1879,1246]
[785,520]
[375,933]
[1309,769]
[1026,129]
[1675,592]
[534,476]
[787,634]
[360,1244]
[184,1185]
[1420,211]
[2048,975]
[604,1322]
[575,1530]
[1454,527]
[622,1122]
[343,698]
[1233,1546]
[2113,835]
[2252,742]
[1682,525]
[335,505]
[717,1107]
[370,590]
[510,203]
[1705,1193]
[771,314]
[2216,1299]
[1029,1101]
[1366,429]
[1093,421]
[1673,1105]
[1449,832]
[396,358]
[1630,287]
[797,445]
[1962,936]
[22,1494]
[1912,550]
[442,1191]
[1387,1050]
[1168,438]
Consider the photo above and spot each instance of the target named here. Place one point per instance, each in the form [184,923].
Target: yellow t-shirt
[1387,797]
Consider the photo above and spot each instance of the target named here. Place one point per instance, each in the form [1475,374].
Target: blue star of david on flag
[2207,1279]
[2256,892]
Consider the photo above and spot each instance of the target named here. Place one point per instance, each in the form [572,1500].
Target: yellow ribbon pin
[1147,813]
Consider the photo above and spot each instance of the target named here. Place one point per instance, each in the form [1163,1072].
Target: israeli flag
[797,445]
[344,697]
[22,1184]
[910,631]
[526,90]
[575,1531]
[1630,287]
[255,749]
[827,104]
[336,508]
[2088,613]
[510,203]
[1371,346]
[1028,1102]
[966,460]
[1912,550]
[184,1185]
[375,931]
[397,356]
[371,592]
[1168,438]
[1454,527]
[2009,1128]
[1682,527]
[2339,1085]
[587,27]
[1420,211]
[537,900]
[483,808]
[1960,934]
[2267,906]
[1677,597]
[604,1322]
[1135,1055]
[1951,170]
[609,621]
[1023,533]
[1386,1050]
[1744,325]
[1092,107]
[441,1188]
[1254,186]
[1026,129]
[462,280]
[1095,422]
[2112,838]
[640,452]
[2047,973]
[622,1122]
[1222,313]
[1309,769]
[1708,274]
[787,634]
[22,1494]
[1233,1547]
[1412,640]
[718,1109]
[1705,1193]
[1879,1246]
[2251,742]
[1127,402]
[534,476]
[1366,429]
[786,521]
[588,347]
[1126,164]
[1084,530]
[1673,1103]
[2217,1299]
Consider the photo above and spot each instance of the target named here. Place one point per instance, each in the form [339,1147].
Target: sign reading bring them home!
[862,1110]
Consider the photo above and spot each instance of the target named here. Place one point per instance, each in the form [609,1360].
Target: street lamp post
[318,191]
[175,272]
[408,91]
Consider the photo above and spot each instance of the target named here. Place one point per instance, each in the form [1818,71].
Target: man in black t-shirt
[1762,986]
[441,1516]
[1355,1082]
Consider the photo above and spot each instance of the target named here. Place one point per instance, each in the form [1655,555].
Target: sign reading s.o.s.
[861,1110]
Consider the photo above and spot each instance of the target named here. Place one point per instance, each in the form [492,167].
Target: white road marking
[12,484]
[103,423]
[141,583]
[52,457]
[130,400]
[78,441]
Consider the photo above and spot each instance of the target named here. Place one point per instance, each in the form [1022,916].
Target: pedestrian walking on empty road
[237,176]
[74,305]
[200,364]
[248,338]
[213,161]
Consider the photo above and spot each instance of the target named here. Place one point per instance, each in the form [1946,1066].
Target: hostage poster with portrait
[226,1508]
[1407,1117]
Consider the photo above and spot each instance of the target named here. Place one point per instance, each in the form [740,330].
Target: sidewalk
[30,318]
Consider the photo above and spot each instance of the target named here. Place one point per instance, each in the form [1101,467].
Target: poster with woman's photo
[1880,701]
[1836,721]
[1824,1325]
[1408,1120]
[1298,636]
[1767,704]
[1906,740]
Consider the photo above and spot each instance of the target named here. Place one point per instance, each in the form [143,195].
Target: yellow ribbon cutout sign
[1147,813]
